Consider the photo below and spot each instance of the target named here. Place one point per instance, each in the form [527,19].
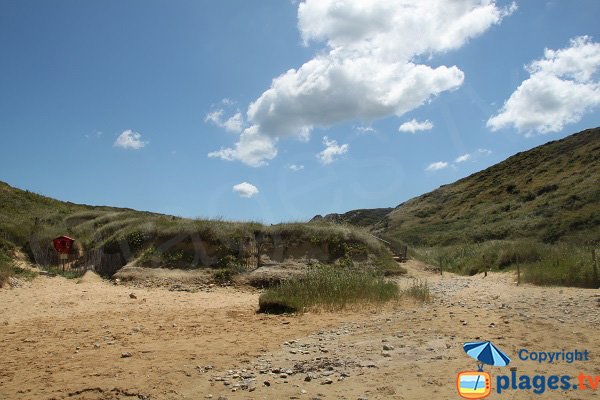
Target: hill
[541,207]
[109,237]
[549,193]
[363,217]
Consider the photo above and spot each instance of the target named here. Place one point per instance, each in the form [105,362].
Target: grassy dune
[29,221]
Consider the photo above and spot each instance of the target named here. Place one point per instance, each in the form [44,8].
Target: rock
[388,347]
[310,376]
[327,381]
[126,354]
[267,383]
[132,296]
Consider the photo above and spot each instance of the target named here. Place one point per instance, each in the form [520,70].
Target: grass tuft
[328,288]
[418,290]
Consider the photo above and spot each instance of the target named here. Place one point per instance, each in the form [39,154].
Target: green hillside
[550,193]
[539,209]
[363,217]
[29,221]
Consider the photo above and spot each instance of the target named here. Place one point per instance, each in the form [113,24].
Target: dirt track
[60,339]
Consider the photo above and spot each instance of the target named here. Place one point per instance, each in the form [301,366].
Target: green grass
[548,194]
[69,274]
[8,267]
[329,288]
[563,264]
[418,290]
[30,221]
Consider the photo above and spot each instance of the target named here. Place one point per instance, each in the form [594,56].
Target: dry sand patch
[60,339]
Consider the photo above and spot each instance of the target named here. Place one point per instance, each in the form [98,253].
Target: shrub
[327,287]
[418,290]
[563,265]
[547,189]
[229,266]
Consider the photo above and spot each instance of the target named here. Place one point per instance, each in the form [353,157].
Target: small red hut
[63,244]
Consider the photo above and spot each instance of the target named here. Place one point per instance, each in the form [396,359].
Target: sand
[60,339]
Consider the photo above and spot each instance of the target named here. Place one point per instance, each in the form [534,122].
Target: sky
[278,110]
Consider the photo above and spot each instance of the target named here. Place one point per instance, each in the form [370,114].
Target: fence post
[484,268]
[595,266]
[518,272]
[441,267]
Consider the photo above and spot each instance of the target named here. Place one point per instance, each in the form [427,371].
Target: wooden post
[484,268]
[595,266]
[441,267]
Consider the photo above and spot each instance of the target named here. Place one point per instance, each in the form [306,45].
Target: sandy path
[59,339]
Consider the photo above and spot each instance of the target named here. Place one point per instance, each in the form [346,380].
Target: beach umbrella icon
[486,353]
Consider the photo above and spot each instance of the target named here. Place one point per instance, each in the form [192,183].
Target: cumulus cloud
[413,126]
[332,149]
[368,68]
[436,166]
[296,167]
[129,139]
[235,123]
[463,158]
[560,89]
[245,189]
[252,149]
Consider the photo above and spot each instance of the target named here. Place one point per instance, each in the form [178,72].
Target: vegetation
[328,288]
[539,209]
[362,217]
[418,290]
[547,194]
[29,221]
[540,263]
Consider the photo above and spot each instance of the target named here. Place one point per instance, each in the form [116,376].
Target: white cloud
[252,149]
[332,149]
[235,123]
[245,189]
[368,68]
[436,166]
[365,129]
[130,140]
[463,158]
[484,151]
[560,89]
[413,126]
[296,168]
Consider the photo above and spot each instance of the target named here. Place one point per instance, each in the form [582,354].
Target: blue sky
[121,103]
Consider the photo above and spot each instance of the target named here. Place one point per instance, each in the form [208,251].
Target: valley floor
[92,340]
